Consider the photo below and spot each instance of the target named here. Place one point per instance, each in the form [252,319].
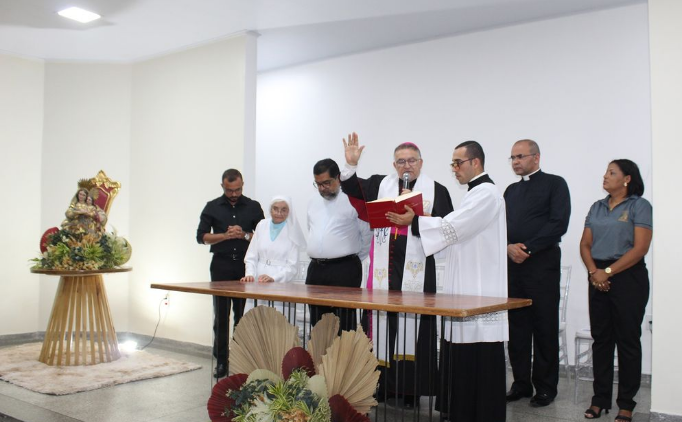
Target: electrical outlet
[166,299]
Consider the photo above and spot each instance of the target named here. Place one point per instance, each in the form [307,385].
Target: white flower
[260,410]
[318,385]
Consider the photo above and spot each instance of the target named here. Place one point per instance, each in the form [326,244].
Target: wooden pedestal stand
[81,330]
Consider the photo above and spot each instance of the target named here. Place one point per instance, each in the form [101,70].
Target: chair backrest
[302,271]
[565,284]
[102,189]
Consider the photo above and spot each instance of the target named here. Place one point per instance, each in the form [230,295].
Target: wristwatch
[607,270]
[247,236]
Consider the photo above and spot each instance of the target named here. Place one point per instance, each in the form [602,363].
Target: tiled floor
[182,398]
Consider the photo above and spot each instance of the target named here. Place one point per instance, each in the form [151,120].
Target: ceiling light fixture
[78,14]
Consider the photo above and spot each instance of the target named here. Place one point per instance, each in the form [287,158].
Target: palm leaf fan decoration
[350,368]
[260,341]
[322,336]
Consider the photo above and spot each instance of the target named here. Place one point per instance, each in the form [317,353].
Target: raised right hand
[352,148]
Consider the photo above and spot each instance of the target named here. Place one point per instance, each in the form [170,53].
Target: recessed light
[78,14]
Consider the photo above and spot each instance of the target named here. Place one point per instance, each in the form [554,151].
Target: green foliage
[290,400]
[82,251]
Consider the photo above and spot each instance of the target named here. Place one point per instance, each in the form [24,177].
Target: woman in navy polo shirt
[616,237]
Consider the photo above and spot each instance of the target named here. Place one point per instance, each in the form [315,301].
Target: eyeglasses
[521,156]
[232,191]
[410,161]
[458,163]
[280,211]
[326,184]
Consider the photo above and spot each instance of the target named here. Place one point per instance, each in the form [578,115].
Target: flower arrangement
[264,395]
[337,389]
[68,250]
[82,243]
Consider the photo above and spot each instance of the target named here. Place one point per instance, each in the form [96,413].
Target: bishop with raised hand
[398,262]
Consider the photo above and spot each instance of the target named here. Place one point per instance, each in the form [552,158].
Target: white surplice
[474,241]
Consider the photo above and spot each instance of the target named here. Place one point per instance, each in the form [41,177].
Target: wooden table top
[81,272]
[351,297]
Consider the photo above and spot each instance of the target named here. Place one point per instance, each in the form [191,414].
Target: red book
[376,210]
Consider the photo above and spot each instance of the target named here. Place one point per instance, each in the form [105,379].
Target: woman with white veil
[272,256]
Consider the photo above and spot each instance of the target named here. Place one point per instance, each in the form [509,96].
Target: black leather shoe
[220,371]
[515,395]
[541,400]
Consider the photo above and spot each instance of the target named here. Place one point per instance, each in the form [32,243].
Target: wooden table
[356,298]
[81,329]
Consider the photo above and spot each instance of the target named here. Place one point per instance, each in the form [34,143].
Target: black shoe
[220,371]
[591,414]
[541,400]
[515,395]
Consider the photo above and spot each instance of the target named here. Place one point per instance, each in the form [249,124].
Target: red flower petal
[297,358]
[44,239]
[219,402]
[342,411]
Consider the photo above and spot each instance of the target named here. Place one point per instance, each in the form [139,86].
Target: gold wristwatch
[607,270]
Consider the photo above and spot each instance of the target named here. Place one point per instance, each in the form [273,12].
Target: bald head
[532,145]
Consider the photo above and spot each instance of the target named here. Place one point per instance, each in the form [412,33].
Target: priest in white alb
[474,240]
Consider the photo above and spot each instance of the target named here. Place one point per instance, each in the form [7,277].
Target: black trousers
[342,273]
[616,321]
[224,268]
[409,377]
[534,330]
[473,383]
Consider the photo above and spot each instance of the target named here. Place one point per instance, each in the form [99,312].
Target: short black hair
[474,150]
[326,165]
[629,168]
[231,175]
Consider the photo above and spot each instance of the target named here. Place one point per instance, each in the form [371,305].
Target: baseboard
[187,348]
[645,381]
[15,339]
[662,417]
[201,350]
[192,349]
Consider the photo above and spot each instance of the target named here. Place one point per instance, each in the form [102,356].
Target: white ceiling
[292,31]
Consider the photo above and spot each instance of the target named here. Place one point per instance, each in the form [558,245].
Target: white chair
[563,307]
[582,371]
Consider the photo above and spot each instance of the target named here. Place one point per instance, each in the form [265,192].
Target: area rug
[19,365]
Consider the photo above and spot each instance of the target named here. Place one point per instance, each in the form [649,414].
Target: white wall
[189,113]
[578,85]
[21,127]
[86,129]
[666,87]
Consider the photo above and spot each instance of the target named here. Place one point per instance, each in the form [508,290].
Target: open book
[376,210]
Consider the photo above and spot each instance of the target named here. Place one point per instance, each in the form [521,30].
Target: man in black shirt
[227,224]
[538,210]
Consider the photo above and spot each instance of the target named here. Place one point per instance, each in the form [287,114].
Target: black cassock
[406,377]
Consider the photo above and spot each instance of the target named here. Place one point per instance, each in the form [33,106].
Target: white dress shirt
[334,229]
